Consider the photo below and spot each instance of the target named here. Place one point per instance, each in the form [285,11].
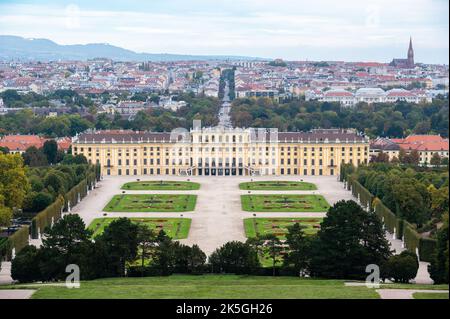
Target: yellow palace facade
[220,151]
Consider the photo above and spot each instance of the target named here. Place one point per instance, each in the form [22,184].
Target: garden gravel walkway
[403,293]
[218,216]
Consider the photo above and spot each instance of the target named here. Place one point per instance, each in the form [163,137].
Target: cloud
[322,28]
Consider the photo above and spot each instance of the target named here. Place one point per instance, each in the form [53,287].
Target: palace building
[219,151]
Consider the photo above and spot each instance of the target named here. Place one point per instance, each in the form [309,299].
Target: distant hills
[18,48]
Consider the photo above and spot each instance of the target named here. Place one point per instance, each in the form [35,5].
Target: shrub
[401,268]
[25,267]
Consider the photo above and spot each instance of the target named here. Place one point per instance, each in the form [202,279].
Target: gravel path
[218,216]
[16,293]
[403,293]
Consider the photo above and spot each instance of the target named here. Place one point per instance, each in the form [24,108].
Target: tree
[439,200]
[257,243]
[349,239]
[197,259]
[34,157]
[414,158]
[39,201]
[299,244]
[273,248]
[55,181]
[50,149]
[164,258]
[63,244]
[381,158]
[435,159]
[14,185]
[401,268]
[439,266]
[146,241]
[120,239]
[411,200]
[25,266]
[234,257]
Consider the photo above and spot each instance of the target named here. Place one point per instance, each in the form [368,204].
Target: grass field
[278,186]
[284,203]
[176,228]
[161,185]
[207,286]
[278,226]
[151,203]
[430,295]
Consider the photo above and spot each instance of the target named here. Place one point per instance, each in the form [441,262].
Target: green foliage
[401,268]
[439,267]
[45,217]
[19,239]
[299,253]
[349,239]
[377,119]
[14,186]
[50,149]
[34,157]
[234,257]
[25,267]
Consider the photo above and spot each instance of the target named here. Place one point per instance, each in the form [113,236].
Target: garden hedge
[390,220]
[45,217]
[427,249]
[365,196]
[18,240]
[413,241]
[4,247]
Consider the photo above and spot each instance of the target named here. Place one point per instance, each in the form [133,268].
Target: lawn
[151,203]
[176,228]
[207,286]
[284,203]
[278,186]
[161,185]
[278,226]
[430,295]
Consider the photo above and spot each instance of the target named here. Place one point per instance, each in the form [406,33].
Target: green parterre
[278,185]
[284,203]
[176,228]
[161,185]
[151,203]
[257,227]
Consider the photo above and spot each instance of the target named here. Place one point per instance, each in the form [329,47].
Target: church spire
[410,54]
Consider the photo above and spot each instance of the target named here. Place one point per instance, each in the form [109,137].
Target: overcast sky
[350,30]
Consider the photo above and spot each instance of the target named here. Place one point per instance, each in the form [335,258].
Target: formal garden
[258,227]
[278,186]
[151,203]
[161,185]
[175,228]
[284,203]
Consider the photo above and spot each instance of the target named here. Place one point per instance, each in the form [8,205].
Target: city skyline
[378,31]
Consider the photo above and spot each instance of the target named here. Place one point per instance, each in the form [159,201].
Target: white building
[369,95]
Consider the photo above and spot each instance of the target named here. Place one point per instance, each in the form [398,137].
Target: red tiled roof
[331,93]
[423,143]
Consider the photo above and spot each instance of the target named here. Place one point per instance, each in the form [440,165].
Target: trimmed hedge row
[4,247]
[53,212]
[18,240]
[390,220]
[365,197]
[45,218]
[414,242]
[403,230]
[50,214]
